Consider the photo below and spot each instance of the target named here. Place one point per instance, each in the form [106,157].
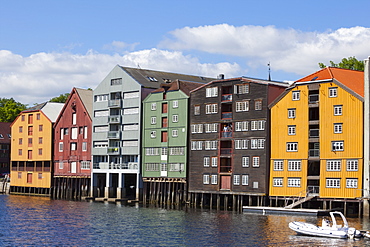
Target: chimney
[221,77]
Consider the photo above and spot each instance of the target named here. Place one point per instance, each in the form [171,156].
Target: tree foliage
[346,63]
[60,99]
[10,109]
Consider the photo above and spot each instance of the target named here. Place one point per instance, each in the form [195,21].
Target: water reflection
[44,222]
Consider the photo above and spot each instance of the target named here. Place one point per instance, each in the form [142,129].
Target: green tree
[10,109]
[346,63]
[60,99]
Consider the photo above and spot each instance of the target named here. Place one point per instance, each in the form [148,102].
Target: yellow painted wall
[45,182]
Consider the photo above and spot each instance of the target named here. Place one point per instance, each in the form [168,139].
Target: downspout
[366,137]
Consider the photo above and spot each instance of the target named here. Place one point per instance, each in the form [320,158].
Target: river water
[38,221]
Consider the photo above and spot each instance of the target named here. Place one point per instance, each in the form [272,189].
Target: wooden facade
[32,149]
[317,132]
[72,146]
[4,148]
[229,139]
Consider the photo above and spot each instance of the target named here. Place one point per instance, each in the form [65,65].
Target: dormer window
[151,78]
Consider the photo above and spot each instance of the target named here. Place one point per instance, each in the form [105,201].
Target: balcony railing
[227,97]
[313,189]
[226,151]
[313,98]
[226,115]
[114,119]
[314,153]
[225,169]
[113,134]
[114,103]
[112,165]
[226,134]
[113,150]
[314,133]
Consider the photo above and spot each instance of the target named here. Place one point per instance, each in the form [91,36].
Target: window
[351,183]
[214,161]
[241,88]
[40,140]
[151,151]
[30,142]
[60,146]
[292,146]
[337,146]
[294,182]
[245,161]
[294,165]
[244,144]
[152,167]
[74,119]
[30,119]
[177,151]
[175,133]
[23,118]
[85,165]
[333,183]
[61,164]
[296,95]
[206,161]
[175,118]
[338,110]
[175,104]
[20,152]
[277,182]
[242,106]
[74,133]
[256,161]
[333,165]
[117,81]
[211,108]
[103,113]
[278,165]
[291,130]
[100,98]
[40,127]
[40,151]
[261,124]
[176,167]
[153,134]
[96,129]
[333,92]
[30,130]
[211,92]
[131,95]
[213,179]
[153,106]
[85,132]
[258,104]
[73,146]
[236,179]
[210,127]
[352,165]
[254,144]
[197,110]
[29,154]
[20,141]
[38,116]
[291,113]
[245,179]
[210,145]
[20,129]
[254,125]
[338,127]
[197,145]
[84,146]
[196,128]
[205,179]
[164,122]
[261,143]
[130,111]
[153,120]
[237,144]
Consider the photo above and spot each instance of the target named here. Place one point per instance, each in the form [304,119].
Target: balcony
[113,135]
[314,133]
[114,119]
[113,103]
[226,134]
[314,153]
[226,115]
[112,165]
[313,98]
[227,97]
[226,151]
[113,150]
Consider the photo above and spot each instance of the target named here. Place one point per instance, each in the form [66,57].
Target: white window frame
[292,146]
[205,178]
[197,110]
[60,146]
[278,165]
[153,106]
[175,118]
[211,108]
[241,88]
[206,161]
[175,104]
[211,92]
[256,161]
[332,183]
[338,128]
[277,182]
[291,130]
[333,165]
[214,161]
[236,180]
[258,104]
[338,110]
[245,161]
[294,182]
[245,179]
[337,146]
[333,92]
[214,179]
[153,120]
[242,106]
[153,134]
[352,183]
[175,133]
[294,165]
[352,165]
[292,113]
[296,95]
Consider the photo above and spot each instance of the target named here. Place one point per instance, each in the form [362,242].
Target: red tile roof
[352,79]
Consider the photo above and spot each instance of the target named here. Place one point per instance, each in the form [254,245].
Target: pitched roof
[352,79]
[50,109]
[153,79]
[86,96]
[5,132]
[184,86]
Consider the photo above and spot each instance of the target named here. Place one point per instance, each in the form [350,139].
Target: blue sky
[48,47]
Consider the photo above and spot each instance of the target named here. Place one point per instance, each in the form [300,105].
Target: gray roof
[50,109]
[87,99]
[153,79]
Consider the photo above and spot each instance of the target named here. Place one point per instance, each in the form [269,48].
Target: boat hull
[312,230]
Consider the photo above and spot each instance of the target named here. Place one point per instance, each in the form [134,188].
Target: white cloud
[41,76]
[288,50]
[120,46]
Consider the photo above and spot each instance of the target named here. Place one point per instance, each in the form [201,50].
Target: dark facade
[229,136]
[4,148]
[72,146]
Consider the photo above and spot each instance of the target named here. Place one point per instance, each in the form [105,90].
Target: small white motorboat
[327,229]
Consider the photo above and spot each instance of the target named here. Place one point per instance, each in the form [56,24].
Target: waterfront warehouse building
[229,141]
[117,125]
[32,149]
[72,146]
[165,142]
[5,139]
[317,136]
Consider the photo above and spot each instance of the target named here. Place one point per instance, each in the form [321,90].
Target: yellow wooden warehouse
[32,149]
[317,141]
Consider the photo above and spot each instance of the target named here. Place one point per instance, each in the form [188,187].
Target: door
[225,182]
